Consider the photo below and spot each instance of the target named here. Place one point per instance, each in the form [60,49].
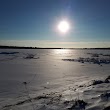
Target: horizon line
[29,47]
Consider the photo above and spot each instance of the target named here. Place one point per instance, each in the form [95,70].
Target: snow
[38,79]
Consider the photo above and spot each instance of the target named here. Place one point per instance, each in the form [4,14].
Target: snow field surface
[39,79]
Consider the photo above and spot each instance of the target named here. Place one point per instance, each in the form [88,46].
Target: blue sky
[36,20]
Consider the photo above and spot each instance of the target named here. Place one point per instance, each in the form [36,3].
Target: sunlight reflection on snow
[61,51]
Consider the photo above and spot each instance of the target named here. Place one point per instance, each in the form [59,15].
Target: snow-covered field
[54,79]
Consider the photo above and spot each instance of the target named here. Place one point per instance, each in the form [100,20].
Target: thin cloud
[54,44]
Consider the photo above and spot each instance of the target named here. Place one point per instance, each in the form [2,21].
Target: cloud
[54,44]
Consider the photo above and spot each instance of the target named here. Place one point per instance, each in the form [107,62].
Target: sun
[63,26]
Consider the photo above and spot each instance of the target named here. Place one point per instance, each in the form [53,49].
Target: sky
[34,23]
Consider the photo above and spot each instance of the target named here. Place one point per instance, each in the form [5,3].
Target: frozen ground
[54,79]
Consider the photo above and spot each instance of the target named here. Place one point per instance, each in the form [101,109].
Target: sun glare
[63,26]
